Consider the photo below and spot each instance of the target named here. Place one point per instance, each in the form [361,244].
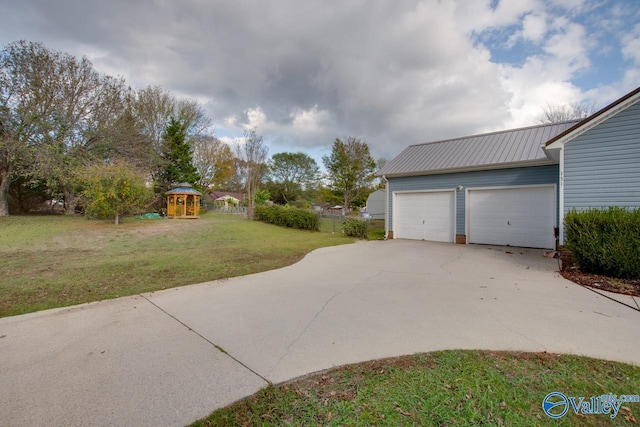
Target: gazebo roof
[183,188]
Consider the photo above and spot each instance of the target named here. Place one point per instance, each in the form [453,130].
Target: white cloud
[546,77]
[631,46]
[569,48]
[230,122]
[568,4]
[304,73]
[256,118]
[309,122]
[477,16]
[534,27]
[532,93]
[228,140]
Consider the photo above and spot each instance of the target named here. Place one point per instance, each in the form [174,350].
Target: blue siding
[602,166]
[491,178]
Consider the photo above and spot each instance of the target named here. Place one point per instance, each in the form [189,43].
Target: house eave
[512,165]
[555,144]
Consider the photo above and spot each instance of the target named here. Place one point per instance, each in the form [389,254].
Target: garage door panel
[515,217]
[425,216]
[409,222]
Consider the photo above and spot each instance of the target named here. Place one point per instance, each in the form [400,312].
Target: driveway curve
[171,357]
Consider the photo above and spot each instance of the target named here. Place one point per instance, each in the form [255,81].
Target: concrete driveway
[171,357]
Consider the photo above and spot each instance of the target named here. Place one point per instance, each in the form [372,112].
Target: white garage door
[424,216]
[521,216]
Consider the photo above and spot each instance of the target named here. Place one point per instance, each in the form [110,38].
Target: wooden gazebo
[183,202]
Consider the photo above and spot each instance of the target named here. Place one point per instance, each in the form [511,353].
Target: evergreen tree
[177,156]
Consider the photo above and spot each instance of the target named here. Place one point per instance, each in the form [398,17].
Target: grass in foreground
[447,388]
[54,261]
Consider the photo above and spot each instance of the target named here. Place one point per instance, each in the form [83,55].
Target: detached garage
[498,188]
[505,188]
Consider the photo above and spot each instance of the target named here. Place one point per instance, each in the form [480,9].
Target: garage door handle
[508,222]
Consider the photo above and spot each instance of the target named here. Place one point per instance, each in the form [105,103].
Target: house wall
[491,178]
[602,166]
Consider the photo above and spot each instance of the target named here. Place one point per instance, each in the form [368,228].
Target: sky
[392,73]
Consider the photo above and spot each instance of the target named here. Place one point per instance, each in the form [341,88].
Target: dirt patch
[571,271]
[99,234]
[603,283]
[156,227]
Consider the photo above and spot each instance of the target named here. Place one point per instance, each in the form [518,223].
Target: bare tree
[252,154]
[117,136]
[214,161]
[153,108]
[80,103]
[380,163]
[558,113]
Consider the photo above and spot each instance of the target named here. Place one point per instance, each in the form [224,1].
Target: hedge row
[287,217]
[354,227]
[605,241]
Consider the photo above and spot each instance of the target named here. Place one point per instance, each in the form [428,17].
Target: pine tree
[178,157]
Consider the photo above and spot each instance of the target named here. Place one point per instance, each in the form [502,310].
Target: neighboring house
[226,198]
[336,210]
[226,201]
[376,204]
[514,187]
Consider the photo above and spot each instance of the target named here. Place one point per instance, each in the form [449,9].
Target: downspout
[561,201]
[386,208]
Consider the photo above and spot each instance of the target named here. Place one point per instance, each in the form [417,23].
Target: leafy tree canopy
[290,174]
[351,169]
[261,197]
[112,191]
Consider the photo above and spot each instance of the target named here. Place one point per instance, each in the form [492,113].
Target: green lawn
[448,388]
[55,261]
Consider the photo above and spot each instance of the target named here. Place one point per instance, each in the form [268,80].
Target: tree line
[71,134]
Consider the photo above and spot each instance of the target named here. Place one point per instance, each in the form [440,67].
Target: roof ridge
[460,138]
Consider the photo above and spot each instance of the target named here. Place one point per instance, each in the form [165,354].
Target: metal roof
[508,148]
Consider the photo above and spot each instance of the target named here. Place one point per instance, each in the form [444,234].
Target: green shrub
[261,197]
[287,217]
[354,227]
[605,241]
